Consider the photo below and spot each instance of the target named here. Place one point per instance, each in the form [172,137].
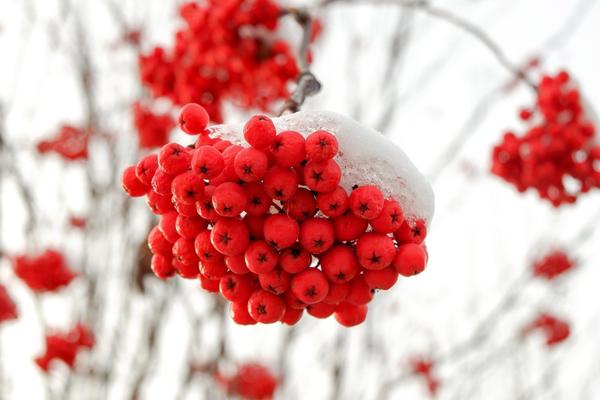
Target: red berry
[162,183]
[366,202]
[258,201]
[132,184]
[146,169]
[162,266]
[410,259]
[359,292]
[228,174]
[340,264]
[375,250]
[292,315]
[281,231]
[167,226]
[334,203]
[183,251]
[205,207]
[189,227]
[255,225]
[322,176]
[186,271]
[187,188]
[411,232]
[317,235]
[159,204]
[236,288]
[265,307]
[259,132]
[207,162]
[229,199]
[390,219]
[213,270]
[174,159]
[381,279]
[337,293]
[250,164]
[236,264]
[275,281]
[350,315]
[301,206]
[280,183]
[294,259]
[185,210]
[205,250]
[310,286]
[260,257]
[321,310]
[193,119]
[349,227]
[158,244]
[288,149]
[230,236]
[210,285]
[240,315]
[292,301]
[321,146]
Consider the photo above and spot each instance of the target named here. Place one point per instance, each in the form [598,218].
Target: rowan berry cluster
[65,347]
[71,143]
[227,51]
[553,328]
[46,272]
[424,369]
[251,381]
[152,129]
[269,226]
[557,154]
[552,265]
[8,309]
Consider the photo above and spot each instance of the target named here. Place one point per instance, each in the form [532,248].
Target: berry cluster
[557,155]
[152,129]
[424,369]
[250,381]
[269,227]
[46,272]
[552,265]
[554,329]
[8,309]
[71,143]
[227,51]
[65,347]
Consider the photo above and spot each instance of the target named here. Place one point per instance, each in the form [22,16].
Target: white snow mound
[366,157]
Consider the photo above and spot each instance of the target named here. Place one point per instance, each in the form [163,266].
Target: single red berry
[167,226]
[337,293]
[294,259]
[292,315]
[350,315]
[411,232]
[281,231]
[292,301]
[162,183]
[236,288]
[240,314]
[288,149]
[205,250]
[228,174]
[301,206]
[250,164]
[186,271]
[321,310]
[381,279]
[349,227]
[213,270]
[322,176]
[310,286]
[275,281]
[230,236]
[375,250]
[193,119]
[189,227]
[258,201]
[205,207]
[146,168]
[366,202]
[158,203]
[183,251]
[158,244]
[210,285]
[132,185]
[237,264]
[207,162]
[410,259]
[185,210]
[317,235]
[162,266]
[188,187]
[260,257]
[265,307]
[334,203]
[229,199]
[280,183]
[255,225]
[174,159]
[359,292]
[390,219]
[340,264]
[321,146]
[260,132]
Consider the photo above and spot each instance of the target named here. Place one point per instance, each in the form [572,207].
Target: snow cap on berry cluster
[366,157]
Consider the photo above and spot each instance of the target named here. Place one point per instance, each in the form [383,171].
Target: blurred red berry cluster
[552,265]
[269,227]
[65,347]
[46,272]
[557,155]
[152,129]
[226,51]
[71,143]
[8,309]
[553,328]
[424,368]
[251,381]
